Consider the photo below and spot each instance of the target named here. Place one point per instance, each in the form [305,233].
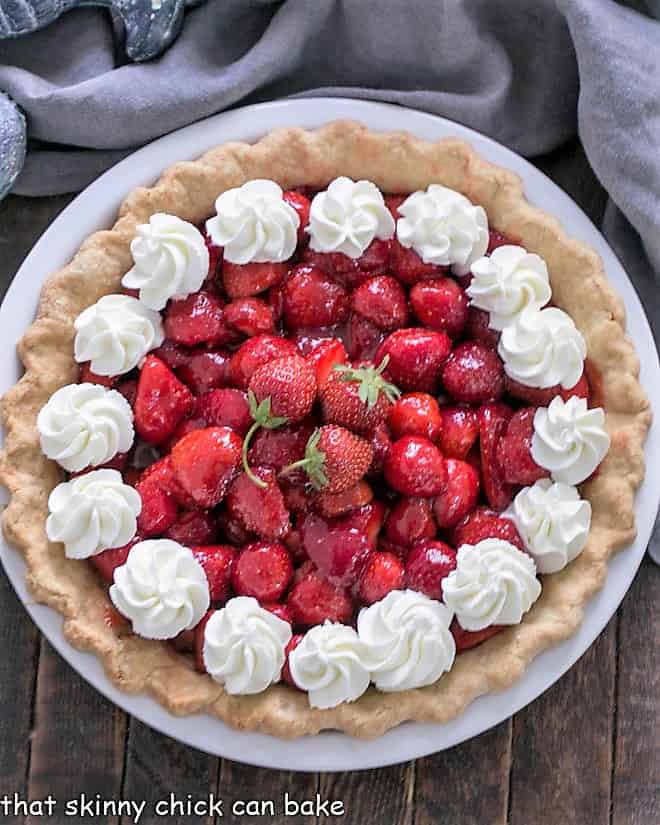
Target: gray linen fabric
[530,73]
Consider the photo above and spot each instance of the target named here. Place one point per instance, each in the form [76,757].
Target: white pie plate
[95,208]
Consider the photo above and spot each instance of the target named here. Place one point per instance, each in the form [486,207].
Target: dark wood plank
[78,738]
[18,673]
[22,221]
[385,795]
[636,774]
[562,744]
[157,766]
[467,785]
[241,783]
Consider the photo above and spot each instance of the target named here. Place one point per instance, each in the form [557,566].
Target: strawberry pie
[330,431]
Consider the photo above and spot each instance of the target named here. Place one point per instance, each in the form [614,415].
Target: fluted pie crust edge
[395,162]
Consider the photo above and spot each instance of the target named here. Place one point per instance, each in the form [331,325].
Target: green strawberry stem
[371,382]
[262,417]
[313,463]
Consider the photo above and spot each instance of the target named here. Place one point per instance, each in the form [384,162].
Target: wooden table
[587,752]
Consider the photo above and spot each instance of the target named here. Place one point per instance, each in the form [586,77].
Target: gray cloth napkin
[530,74]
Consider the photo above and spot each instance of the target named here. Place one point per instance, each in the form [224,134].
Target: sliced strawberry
[302,206]
[427,564]
[368,519]
[194,527]
[409,267]
[172,354]
[393,202]
[466,639]
[383,301]
[292,644]
[262,570]
[473,374]
[250,316]
[215,256]
[161,472]
[224,408]
[483,523]
[246,280]
[129,390]
[416,413]
[205,370]
[441,305]
[416,358]
[86,376]
[339,553]
[459,432]
[312,300]
[514,450]
[205,462]
[183,428]
[541,397]
[330,505]
[199,642]
[280,447]
[159,509]
[415,467]
[324,357]
[362,338]
[197,319]
[409,521]
[493,422]
[261,510]
[351,272]
[459,497]
[496,239]
[477,328]
[381,443]
[109,560]
[254,353]
[282,611]
[383,573]
[160,403]
[217,561]
[314,600]
[232,529]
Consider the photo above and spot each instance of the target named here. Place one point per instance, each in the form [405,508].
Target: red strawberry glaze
[255,351]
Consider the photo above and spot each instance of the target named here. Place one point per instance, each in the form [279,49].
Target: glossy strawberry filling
[323,431]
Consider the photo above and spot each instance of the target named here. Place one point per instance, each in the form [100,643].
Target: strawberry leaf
[371,382]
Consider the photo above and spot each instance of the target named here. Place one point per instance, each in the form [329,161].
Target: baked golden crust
[396,162]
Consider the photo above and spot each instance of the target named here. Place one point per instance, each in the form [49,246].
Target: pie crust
[395,162]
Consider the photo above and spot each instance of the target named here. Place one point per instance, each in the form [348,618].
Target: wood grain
[636,776]
[157,766]
[562,744]
[18,673]
[78,738]
[385,795]
[241,783]
[467,785]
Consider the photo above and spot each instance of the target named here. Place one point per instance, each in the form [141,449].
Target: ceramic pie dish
[399,164]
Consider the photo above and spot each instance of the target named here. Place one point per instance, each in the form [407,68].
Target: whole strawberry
[280,392]
[358,398]
[290,383]
[335,459]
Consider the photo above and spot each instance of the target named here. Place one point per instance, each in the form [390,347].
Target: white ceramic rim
[95,208]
